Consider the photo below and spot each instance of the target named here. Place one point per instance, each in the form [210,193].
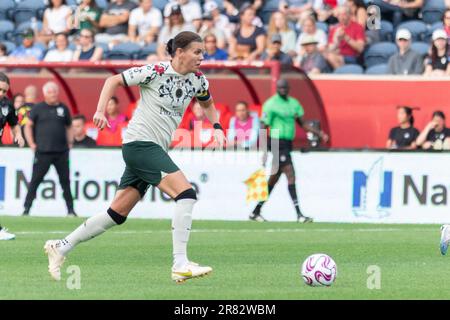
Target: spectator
[435,135]
[400,10]
[325,10]
[274,53]
[346,40]
[404,136]
[87,16]
[358,11]
[28,50]
[220,20]
[115,118]
[61,53]
[30,93]
[87,49]
[243,129]
[114,20]
[312,61]
[293,9]
[437,63]
[145,23]
[191,11]
[18,101]
[212,52]
[248,42]
[175,25]
[278,25]
[49,135]
[3,52]
[22,111]
[406,61]
[234,7]
[57,19]
[80,139]
[309,29]
[208,28]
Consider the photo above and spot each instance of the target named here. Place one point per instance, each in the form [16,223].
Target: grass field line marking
[233,231]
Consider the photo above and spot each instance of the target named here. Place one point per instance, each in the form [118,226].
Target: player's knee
[117,218]
[187,194]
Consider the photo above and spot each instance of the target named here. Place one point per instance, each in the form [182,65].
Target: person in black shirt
[404,136]
[80,139]
[437,64]
[49,135]
[435,135]
[8,116]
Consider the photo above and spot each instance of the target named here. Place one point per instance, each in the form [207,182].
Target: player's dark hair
[182,41]
[409,113]
[79,117]
[4,78]
[439,114]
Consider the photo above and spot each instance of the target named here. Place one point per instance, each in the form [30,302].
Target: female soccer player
[166,90]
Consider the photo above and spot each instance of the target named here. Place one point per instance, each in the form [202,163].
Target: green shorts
[146,163]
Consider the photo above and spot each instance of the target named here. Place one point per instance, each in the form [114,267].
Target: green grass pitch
[250,260]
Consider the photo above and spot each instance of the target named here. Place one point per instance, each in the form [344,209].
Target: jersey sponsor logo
[5,111]
[165,112]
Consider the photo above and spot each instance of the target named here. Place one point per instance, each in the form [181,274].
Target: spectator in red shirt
[346,40]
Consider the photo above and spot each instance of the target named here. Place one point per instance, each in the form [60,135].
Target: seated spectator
[243,129]
[435,135]
[400,10]
[87,16]
[191,10]
[404,136]
[28,50]
[87,50]
[278,25]
[437,64]
[80,139]
[234,7]
[212,52]
[209,28]
[406,61]
[248,42]
[145,23]
[346,40]
[3,52]
[115,118]
[57,19]
[293,9]
[312,61]
[309,29]
[220,20]
[325,10]
[274,53]
[114,20]
[61,53]
[358,11]
[174,25]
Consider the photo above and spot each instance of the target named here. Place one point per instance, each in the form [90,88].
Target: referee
[49,134]
[280,113]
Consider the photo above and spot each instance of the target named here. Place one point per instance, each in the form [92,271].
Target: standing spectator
[87,50]
[115,118]
[404,136]
[208,28]
[49,135]
[28,50]
[358,11]
[191,10]
[309,29]
[437,64]
[312,61]
[87,16]
[274,53]
[278,25]
[61,53]
[114,20]
[406,61]
[80,139]
[23,108]
[293,9]
[175,25]
[220,20]
[145,23]
[243,129]
[435,135]
[18,101]
[57,19]
[346,40]
[212,52]
[249,41]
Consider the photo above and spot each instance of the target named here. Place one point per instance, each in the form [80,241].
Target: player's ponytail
[182,41]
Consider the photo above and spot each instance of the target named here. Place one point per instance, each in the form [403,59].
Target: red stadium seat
[111,139]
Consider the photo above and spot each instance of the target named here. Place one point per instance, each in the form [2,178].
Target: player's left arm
[308,128]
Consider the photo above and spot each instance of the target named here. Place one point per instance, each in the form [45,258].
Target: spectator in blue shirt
[28,50]
[211,50]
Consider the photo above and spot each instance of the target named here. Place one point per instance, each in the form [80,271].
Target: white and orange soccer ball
[319,270]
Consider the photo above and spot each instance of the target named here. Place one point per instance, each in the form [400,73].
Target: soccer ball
[319,270]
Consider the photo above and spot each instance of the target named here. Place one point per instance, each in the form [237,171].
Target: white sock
[181,228]
[91,228]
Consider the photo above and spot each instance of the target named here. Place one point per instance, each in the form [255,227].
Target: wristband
[217,126]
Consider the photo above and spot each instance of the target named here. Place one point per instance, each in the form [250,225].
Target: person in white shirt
[61,53]
[144,23]
[57,18]
[192,12]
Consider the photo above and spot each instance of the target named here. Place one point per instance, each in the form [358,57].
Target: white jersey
[165,95]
